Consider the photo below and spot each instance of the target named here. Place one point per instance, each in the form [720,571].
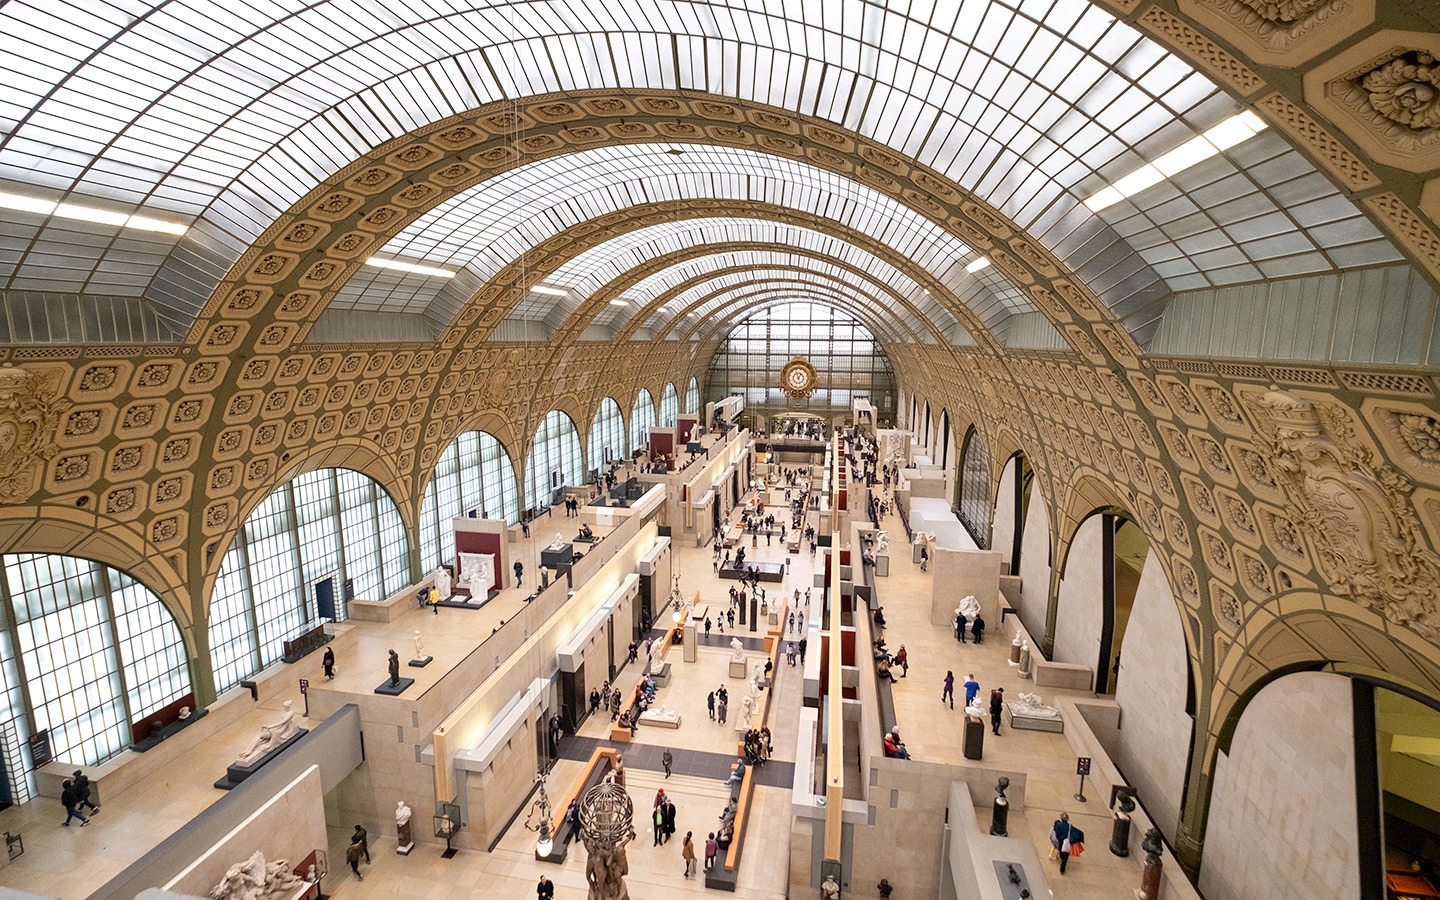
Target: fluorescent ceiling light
[619,303]
[1216,140]
[549,291]
[22,203]
[977,265]
[413,268]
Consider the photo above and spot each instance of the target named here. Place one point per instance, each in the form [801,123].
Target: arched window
[94,650]
[475,473]
[554,460]
[607,435]
[974,511]
[669,407]
[320,539]
[642,419]
[692,398]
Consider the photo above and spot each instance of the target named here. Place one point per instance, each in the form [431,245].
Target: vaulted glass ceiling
[220,116]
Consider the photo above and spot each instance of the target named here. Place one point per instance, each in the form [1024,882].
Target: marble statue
[394,668]
[757,679]
[882,542]
[477,573]
[402,813]
[747,713]
[272,735]
[402,826]
[969,607]
[923,537]
[1033,706]
[255,879]
[829,888]
[660,714]
[559,541]
[419,645]
[184,713]
[739,650]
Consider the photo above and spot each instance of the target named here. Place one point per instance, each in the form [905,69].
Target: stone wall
[1080,612]
[1035,566]
[1282,816]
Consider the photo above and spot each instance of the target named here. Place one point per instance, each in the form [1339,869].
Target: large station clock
[798,378]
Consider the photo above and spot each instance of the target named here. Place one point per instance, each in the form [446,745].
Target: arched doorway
[1124,551]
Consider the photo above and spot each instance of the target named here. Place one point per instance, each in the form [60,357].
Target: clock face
[798,379]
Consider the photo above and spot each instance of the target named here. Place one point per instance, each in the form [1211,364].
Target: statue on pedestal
[882,542]
[829,888]
[255,879]
[419,645]
[738,654]
[442,582]
[606,826]
[747,713]
[1033,706]
[272,735]
[969,607]
[394,668]
[402,825]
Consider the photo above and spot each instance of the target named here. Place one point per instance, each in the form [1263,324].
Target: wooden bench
[601,763]
[723,876]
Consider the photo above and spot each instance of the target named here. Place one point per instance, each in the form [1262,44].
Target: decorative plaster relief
[1386,88]
[1355,511]
[1283,32]
[29,414]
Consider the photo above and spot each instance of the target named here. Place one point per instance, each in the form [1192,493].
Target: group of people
[662,815]
[75,794]
[572,506]
[718,703]
[757,745]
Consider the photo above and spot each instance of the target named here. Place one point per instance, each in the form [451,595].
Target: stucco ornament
[1355,512]
[1284,12]
[1406,90]
[28,417]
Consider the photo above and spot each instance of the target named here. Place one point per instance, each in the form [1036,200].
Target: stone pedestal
[404,841]
[422,662]
[999,816]
[738,670]
[1015,653]
[1120,835]
[394,690]
[1150,882]
[1025,662]
[238,772]
[973,745]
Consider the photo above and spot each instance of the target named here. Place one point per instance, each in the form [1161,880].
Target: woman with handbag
[1063,838]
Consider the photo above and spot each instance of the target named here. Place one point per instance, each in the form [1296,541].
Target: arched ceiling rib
[1029,105]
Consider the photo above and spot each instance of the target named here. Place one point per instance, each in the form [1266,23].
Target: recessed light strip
[413,268]
[549,291]
[22,203]
[1222,137]
[977,265]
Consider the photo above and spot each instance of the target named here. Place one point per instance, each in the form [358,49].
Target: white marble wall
[1080,612]
[1035,566]
[1282,815]
[1155,730]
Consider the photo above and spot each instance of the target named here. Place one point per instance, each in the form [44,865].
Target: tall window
[845,355]
[554,460]
[475,473]
[975,500]
[642,419]
[330,524]
[692,398]
[669,407]
[95,650]
[607,434]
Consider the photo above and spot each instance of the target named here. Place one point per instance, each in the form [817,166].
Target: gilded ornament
[28,419]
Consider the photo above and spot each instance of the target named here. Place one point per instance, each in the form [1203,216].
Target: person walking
[1063,837]
[972,690]
[71,801]
[353,853]
[667,760]
[519,572]
[949,690]
[327,662]
[997,700]
[803,642]
[668,818]
[687,853]
[710,705]
[711,848]
[902,659]
[82,792]
[363,837]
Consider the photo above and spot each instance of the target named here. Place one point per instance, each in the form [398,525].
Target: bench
[885,699]
[723,874]
[601,762]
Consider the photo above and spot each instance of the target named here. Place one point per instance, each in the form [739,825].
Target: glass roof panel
[224,114]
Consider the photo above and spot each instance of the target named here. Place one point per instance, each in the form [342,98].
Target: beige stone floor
[73,862]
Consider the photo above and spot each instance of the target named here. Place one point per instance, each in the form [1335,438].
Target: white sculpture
[739,650]
[419,645]
[969,607]
[442,582]
[184,713]
[402,813]
[658,714]
[477,573]
[829,889]
[757,678]
[255,879]
[882,542]
[747,713]
[272,735]
[1032,706]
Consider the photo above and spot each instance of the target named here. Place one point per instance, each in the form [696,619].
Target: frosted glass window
[554,461]
[607,435]
[642,419]
[976,504]
[473,473]
[669,407]
[327,523]
[692,398]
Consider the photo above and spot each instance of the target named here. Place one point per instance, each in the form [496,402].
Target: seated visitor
[883,670]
